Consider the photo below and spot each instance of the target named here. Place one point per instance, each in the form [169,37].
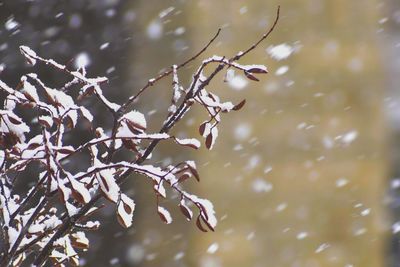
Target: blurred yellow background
[299,176]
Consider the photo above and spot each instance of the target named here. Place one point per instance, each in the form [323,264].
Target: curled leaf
[240,105]
[199,225]
[209,140]
[202,128]
[185,210]
[164,215]
[251,76]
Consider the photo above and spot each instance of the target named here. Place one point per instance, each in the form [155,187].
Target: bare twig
[152,81]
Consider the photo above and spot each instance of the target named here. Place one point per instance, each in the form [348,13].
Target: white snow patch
[360,231]
[135,254]
[281,207]
[179,31]
[395,184]
[104,46]
[280,52]
[165,12]
[349,137]
[154,30]
[243,131]
[328,142]
[250,236]
[243,10]
[302,235]
[261,186]
[82,60]
[281,70]
[179,255]
[213,248]
[322,247]
[365,212]
[341,182]
[355,65]
[11,24]
[396,228]
[238,82]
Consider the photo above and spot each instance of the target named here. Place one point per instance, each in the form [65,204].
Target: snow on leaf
[126,207]
[29,90]
[160,189]
[79,191]
[164,215]
[186,210]
[2,158]
[135,120]
[29,54]
[108,185]
[255,68]
[193,169]
[212,137]
[206,209]
[79,240]
[86,113]
[71,209]
[190,142]
[46,121]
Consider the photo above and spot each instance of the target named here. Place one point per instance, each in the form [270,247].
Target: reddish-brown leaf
[121,221]
[195,173]
[77,244]
[202,128]
[44,123]
[135,128]
[251,76]
[203,211]
[183,177]
[239,105]
[65,151]
[185,212]
[69,122]
[199,225]
[77,196]
[33,146]
[127,208]
[257,70]
[129,144]
[209,140]
[208,224]
[14,120]
[29,97]
[163,218]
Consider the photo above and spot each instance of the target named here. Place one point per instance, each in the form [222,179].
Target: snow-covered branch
[49,221]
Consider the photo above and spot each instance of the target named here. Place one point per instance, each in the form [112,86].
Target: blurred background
[305,175]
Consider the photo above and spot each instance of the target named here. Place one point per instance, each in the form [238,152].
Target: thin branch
[265,35]
[152,81]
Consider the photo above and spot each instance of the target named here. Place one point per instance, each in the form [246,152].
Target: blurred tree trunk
[390,43]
